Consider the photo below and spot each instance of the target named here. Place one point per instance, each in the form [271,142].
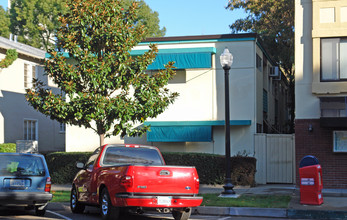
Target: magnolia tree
[103,87]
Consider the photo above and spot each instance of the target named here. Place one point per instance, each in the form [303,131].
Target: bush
[210,167]
[62,165]
[7,148]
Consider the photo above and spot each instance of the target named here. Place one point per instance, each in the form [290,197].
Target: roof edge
[200,37]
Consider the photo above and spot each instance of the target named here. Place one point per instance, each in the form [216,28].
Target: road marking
[62,216]
[224,218]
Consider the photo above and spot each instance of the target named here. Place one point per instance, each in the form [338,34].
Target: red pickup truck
[134,178]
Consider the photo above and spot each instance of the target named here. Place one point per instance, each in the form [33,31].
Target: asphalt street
[62,212]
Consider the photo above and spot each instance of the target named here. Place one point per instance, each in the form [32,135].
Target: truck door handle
[164,173]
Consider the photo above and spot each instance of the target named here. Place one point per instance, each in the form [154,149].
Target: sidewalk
[334,206]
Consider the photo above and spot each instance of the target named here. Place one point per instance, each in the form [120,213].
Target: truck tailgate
[169,180]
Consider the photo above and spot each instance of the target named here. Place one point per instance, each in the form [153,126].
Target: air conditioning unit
[274,72]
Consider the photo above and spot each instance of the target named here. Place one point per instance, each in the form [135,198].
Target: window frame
[30,72]
[26,133]
[338,59]
[336,148]
[62,127]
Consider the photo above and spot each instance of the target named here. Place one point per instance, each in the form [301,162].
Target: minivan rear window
[21,165]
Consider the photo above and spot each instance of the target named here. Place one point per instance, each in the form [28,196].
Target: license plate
[17,183]
[164,200]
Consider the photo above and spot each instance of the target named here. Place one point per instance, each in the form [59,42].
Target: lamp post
[226,60]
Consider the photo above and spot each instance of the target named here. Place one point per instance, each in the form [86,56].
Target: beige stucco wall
[306,104]
[329,20]
[310,26]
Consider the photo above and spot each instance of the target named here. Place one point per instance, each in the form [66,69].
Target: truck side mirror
[80,165]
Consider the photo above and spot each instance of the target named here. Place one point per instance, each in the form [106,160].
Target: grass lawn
[260,201]
[61,196]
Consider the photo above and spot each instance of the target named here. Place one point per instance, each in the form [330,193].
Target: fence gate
[275,155]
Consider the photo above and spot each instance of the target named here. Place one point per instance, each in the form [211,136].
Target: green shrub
[62,165]
[210,167]
[6,148]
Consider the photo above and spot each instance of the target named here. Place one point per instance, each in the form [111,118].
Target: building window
[258,62]
[327,15]
[62,127]
[259,128]
[340,141]
[333,107]
[30,129]
[29,74]
[334,59]
[265,101]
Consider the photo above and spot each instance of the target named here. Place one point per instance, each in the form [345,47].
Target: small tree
[103,87]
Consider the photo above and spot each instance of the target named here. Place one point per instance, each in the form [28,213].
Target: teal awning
[184,58]
[185,131]
[182,61]
[180,134]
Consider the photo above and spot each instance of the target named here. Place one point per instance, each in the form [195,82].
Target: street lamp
[226,60]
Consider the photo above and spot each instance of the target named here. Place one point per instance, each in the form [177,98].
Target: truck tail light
[126,181]
[48,184]
[197,184]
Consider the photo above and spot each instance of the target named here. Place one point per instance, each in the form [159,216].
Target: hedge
[62,165]
[210,167]
[7,148]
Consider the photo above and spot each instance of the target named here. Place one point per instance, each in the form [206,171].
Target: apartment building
[19,122]
[321,86]
[259,95]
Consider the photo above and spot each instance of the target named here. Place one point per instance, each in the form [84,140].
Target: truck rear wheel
[181,215]
[75,205]
[107,210]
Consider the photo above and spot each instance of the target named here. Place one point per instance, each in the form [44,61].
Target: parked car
[134,178]
[24,181]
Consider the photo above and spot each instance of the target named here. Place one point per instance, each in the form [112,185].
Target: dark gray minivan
[25,181]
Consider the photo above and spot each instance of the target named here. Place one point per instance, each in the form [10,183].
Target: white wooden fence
[275,155]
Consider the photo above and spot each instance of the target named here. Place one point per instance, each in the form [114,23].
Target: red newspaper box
[311,185]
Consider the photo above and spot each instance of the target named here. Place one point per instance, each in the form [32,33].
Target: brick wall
[319,143]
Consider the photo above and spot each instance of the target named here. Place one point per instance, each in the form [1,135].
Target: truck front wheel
[75,205]
[181,215]
[107,210]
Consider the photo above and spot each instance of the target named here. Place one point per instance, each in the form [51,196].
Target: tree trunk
[102,137]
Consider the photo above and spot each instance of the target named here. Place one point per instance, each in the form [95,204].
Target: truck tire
[107,210]
[75,205]
[181,215]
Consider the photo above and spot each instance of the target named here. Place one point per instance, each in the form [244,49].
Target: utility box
[311,185]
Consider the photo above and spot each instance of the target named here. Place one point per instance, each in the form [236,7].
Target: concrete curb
[269,212]
[316,214]
[241,211]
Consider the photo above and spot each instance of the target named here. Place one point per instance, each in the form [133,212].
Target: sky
[191,17]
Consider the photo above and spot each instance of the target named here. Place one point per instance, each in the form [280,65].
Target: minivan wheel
[107,210]
[75,205]
[39,211]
